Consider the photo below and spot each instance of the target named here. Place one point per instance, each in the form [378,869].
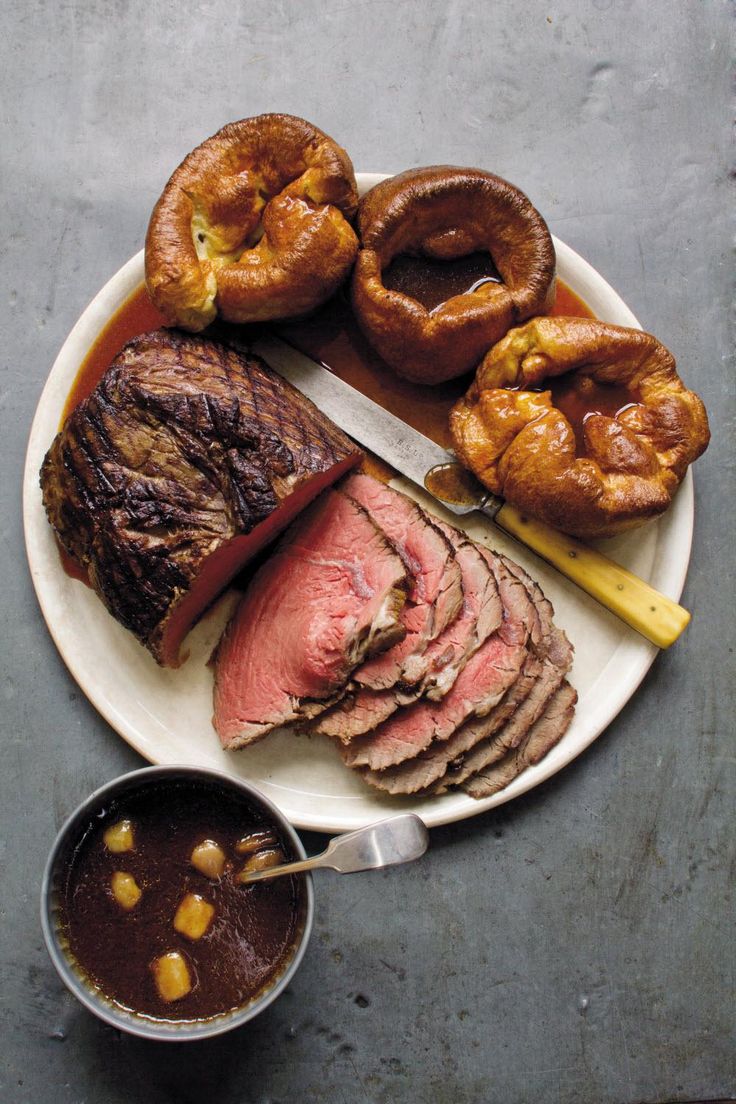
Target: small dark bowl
[83,989]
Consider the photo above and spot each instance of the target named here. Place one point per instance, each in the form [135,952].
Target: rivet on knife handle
[642,607]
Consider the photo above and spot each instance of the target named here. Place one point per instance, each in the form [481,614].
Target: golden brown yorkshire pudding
[253,225]
[600,450]
[445,213]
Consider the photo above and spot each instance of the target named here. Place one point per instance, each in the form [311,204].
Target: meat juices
[183,462]
[248,939]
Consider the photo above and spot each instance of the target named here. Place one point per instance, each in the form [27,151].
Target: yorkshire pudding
[445,213]
[610,455]
[253,225]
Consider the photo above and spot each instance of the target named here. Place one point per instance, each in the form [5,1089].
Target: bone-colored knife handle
[656,617]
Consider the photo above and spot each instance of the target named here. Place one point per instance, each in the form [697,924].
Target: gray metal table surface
[573,945]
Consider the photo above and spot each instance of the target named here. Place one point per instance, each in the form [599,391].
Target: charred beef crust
[184,444]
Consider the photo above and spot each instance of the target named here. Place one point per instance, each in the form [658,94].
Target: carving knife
[417,457]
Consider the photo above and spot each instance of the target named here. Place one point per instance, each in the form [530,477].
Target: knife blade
[654,615]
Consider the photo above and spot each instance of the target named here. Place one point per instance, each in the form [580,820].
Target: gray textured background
[574,945]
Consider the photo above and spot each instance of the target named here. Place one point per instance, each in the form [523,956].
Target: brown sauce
[581,397]
[333,338]
[431,282]
[330,336]
[453,483]
[136,316]
[249,940]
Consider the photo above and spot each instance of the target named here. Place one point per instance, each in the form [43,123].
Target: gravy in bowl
[150,914]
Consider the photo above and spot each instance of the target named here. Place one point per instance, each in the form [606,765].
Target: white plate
[165,714]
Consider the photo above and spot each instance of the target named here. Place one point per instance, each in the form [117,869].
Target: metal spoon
[396,840]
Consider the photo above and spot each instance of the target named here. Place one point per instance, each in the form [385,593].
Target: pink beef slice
[359,712]
[329,596]
[480,685]
[544,734]
[184,461]
[481,615]
[488,740]
[435,591]
[429,772]
[485,740]
[442,661]
[482,741]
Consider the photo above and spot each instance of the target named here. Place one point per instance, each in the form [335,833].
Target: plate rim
[446,810]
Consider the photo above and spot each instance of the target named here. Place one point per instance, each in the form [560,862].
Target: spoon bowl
[398,839]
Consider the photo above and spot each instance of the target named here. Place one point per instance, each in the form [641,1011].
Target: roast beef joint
[184,461]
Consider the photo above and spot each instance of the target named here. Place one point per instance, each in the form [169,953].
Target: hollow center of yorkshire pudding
[581,397]
[431,281]
[223,236]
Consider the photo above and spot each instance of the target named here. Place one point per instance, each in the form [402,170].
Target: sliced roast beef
[540,629]
[495,736]
[481,615]
[330,595]
[443,660]
[479,687]
[541,738]
[488,740]
[483,740]
[432,770]
[435,593]
[360,711]
[185,460]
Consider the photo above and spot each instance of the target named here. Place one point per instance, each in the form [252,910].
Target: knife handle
[642,607]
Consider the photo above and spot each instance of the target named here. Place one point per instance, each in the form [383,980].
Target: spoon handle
[395,840]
